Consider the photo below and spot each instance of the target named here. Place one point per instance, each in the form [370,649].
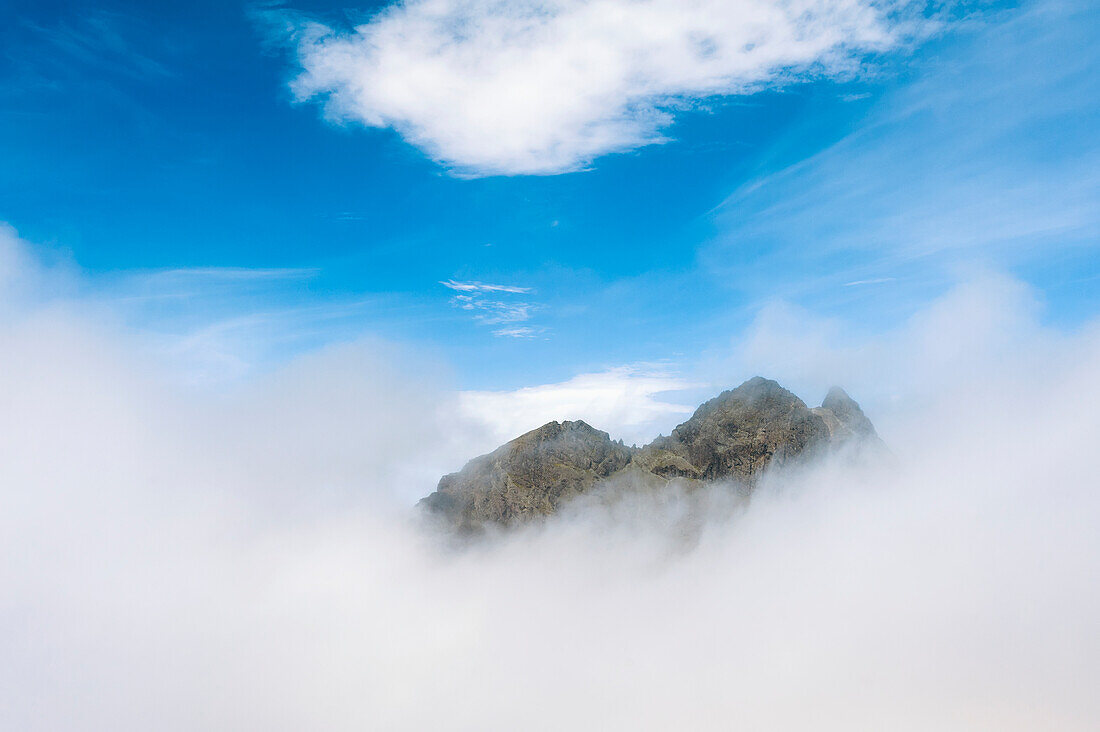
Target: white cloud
[180,560]
[213,324]
[492,312]
[517,331]
[625,402]
[987,326]
[472,296]
[989,152]
[872,281]
[545,86]
[231,273]
[482,287]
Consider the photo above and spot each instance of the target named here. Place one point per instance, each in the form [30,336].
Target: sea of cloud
[247,557]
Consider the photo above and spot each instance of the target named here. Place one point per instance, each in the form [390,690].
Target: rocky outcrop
[845,420]
[528,477]
[737,434]
[733,437]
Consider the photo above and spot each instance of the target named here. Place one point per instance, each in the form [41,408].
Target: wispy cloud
[487,88]
[112,42]
[234,273]
[212,324]
[482,287]
[201,284]
[989,152]
[492,312]
[519,331]
[872,281]
[490,305]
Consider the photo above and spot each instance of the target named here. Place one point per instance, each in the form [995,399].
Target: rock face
[737,434]
[528,477]
[845,420]
[732,437]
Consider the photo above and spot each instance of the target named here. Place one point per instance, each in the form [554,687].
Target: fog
[248,557]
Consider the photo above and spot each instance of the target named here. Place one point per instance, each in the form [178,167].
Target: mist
[249,557]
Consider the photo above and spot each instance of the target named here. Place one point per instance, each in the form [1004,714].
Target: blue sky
[218,172]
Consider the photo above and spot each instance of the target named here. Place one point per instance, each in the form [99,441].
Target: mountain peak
[849,417]
[733,437]
[739,432]
[529,476]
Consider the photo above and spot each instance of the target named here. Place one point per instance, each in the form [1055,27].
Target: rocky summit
[733,437]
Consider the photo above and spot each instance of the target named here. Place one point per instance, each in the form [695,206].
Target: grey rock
[530,476]
[733,437]
[737,434]
[844,417]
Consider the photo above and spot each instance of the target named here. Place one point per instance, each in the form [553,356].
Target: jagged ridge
[732,437]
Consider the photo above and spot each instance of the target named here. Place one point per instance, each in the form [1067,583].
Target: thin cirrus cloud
[487,304]
[495,88]
[482,287]
[989,152]
[517,331]
[872,281]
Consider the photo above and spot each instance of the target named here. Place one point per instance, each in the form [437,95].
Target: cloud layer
[244,558]
[489,87]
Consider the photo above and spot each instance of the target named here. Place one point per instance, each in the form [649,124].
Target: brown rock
[734,437]
[739,433]
[528,477]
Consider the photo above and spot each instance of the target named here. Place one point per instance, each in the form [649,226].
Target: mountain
[737,434]
[530,476]
[733,437]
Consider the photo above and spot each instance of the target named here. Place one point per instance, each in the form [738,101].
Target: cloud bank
[488,87]
[633,401]
[178,559]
